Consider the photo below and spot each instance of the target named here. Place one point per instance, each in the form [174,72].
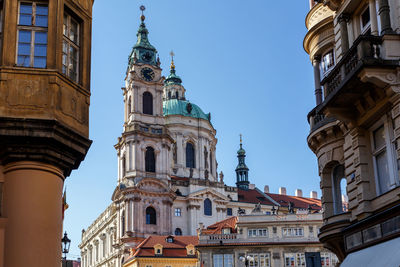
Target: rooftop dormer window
[170,239]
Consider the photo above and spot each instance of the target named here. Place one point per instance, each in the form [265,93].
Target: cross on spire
[172,54]
[240,138]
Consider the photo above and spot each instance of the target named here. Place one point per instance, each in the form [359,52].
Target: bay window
[70,59]
[32,34]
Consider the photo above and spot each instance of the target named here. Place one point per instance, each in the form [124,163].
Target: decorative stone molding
[382,78]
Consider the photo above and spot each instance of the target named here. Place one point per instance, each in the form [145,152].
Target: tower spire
[172,78]
[242,171]
[143,51]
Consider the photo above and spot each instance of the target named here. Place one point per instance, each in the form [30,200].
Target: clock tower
[143,196]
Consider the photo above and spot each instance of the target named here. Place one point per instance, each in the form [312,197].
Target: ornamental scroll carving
[382,78]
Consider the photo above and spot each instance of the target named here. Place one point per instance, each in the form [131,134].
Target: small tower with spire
[173,88]
[242,171]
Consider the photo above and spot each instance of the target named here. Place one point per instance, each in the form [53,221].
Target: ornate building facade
[167,170]
[268,240]
[354,47]
[45,49]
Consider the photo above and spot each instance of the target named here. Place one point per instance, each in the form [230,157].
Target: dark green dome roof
[184,108]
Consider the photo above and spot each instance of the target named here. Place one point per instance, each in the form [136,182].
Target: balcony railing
[366,51]
[317,119]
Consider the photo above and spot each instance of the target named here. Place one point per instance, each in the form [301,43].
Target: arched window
[123,223]
[147,103]
[151,216]
[169,95]
[190,155]
[176,95]
[207,207]
[129,105]
[178,231]
[339,183]
[150,160]
[211,163]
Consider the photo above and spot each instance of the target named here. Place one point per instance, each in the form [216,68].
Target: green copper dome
[184,108]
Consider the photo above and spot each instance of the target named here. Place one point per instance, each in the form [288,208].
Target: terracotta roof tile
[299,202]
[174,249]
[216,228]
[253,196]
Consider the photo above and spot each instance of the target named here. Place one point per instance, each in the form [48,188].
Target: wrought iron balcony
[365,52]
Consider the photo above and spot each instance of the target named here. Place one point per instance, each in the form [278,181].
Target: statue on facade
[257,208]
[221,177]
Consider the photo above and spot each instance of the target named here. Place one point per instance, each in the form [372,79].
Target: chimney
[298,193]
[282,190]
[252,186]
[313,194]
[266,189]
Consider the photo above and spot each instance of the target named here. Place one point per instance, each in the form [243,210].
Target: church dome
[184,108]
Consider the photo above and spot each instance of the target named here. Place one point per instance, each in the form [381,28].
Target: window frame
[364,28]
[326,71]
[207,212]
[70,43]
[190,162]
[150,220]
[33,29]
[292,231]
[389,148]
[178,212]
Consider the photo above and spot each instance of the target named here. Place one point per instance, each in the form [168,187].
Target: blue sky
[243,61]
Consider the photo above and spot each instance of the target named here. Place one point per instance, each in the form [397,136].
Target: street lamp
[246,259]
[65,242]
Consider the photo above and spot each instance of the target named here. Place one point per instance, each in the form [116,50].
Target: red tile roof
[253,196]
[216,228]
[299,202]
[176,249]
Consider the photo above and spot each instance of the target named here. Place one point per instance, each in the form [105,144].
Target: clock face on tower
[147,74]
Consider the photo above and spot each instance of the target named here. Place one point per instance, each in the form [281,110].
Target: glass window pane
[383,171]
[25,8]
[40,37]
[41,21]
[365,17]
[25,19]
[379,138]
[74,31]
[65,26]
[24,37]
[24,49]
[23,61]
[218,260]
[228,260]
[39,62]
[41,10]
[40,50]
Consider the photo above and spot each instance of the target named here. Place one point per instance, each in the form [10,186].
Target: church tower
[143,197]
[242,171]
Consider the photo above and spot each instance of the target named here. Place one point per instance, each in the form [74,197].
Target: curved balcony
[320,35]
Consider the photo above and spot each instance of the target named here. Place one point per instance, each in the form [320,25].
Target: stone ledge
[41,140]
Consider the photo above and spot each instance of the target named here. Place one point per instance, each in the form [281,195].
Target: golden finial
[240,138]
[172,54]
[142,8]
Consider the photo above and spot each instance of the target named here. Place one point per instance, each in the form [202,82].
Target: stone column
[344,35]
[32,206]
[384,13]
[317,80]
[373,16]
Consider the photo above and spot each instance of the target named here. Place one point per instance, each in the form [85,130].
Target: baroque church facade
[168,182]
